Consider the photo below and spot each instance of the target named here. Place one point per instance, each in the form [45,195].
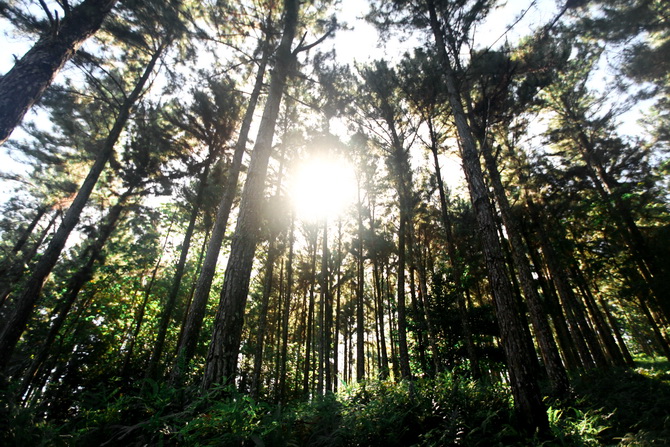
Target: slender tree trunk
[552,360]
[403,352]
[602,329]
[152,371]
[28,298]
[608,187]
[191,330]
[25,234]
[221,364]
[328,310]
[310,322]
[24,84]
[525,389]
[262,318]
[338,315]
[455,262]
[16,271]
[139,316]
[75,284]
[660,339]
[360,298]
[203,248]
[617,333]
[286,314]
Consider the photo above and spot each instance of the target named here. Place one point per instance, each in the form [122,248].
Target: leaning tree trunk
[556,372]
[455,262]
[75,284]
[221,364]
[13,275]
[168,307]
[196,313]
[526,391]
[23,85]
[26,301]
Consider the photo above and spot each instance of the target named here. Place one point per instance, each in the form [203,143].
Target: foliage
[618,407]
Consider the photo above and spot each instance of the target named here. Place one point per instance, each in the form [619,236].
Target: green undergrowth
[614,407]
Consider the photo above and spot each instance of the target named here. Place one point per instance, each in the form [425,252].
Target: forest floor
[617,407]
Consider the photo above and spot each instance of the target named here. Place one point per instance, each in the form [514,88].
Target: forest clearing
[335,223]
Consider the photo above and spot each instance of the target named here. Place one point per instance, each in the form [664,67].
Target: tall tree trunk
[203,248]
[221,364]
[169,304]
[286,314]
[13,275]
[617,333]
[328,310]
[338,294]
[23,85]
[403,352]
[609,189]
[455,261]
[196,314]
[310,322]
[360,298]
[75,284]
[25,234]
[26,301]
[139,315]
[552,360]
[525,389]
[262,317]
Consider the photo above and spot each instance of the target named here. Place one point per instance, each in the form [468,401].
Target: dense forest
[227,229]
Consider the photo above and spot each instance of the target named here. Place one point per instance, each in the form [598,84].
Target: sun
[322,187]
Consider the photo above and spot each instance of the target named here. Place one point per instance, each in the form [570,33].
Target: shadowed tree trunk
[168,307]
[23,85]
[196,313]
[26,301]
[525,389]
[75,284]
[552,360]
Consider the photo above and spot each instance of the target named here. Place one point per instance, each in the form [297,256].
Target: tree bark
[527,397]
[196,314]
[169,304]
[29,296]
[360,299]
[24,84]
[75,284]
[552,360]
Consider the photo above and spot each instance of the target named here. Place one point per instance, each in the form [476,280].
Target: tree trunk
[191,331]
[262,317]
[24,84]
[75,284]
[360,303]
[221,364]
[286,314]
[139,316]
[455,262]
[527,397]
[310,322]
[169,304]
[552,360]
[617,333]
[338,294]
[26,301]
[13,275]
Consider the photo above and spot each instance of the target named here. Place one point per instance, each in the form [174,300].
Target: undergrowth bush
[613,407]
